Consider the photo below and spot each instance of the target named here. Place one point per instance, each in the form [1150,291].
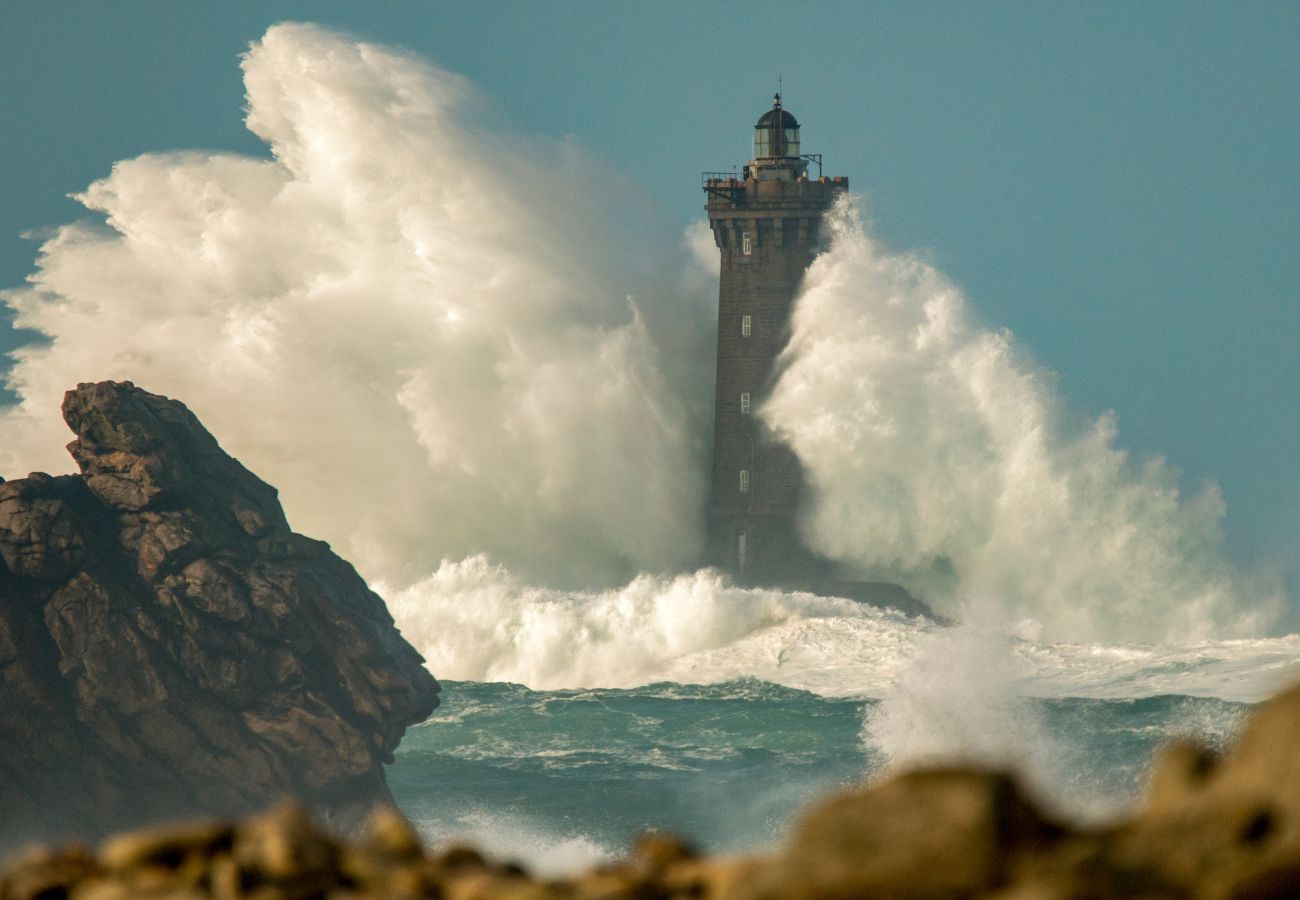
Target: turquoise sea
[563,778]
[573,721]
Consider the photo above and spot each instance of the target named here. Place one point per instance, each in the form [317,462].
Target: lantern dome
[776,136]
[782,118]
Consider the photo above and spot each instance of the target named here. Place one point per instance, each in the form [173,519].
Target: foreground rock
[1210,828]
[169,647]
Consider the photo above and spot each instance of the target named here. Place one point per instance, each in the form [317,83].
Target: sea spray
[958,698]
[942,456]
[545,850]
[383,320]
[962,700]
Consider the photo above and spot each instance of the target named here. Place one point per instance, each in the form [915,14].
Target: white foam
[516,837]
[1240,670]
[476,621]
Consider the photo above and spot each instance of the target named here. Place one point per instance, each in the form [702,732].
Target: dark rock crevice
[169,646]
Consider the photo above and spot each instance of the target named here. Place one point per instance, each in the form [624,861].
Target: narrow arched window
[744,481]
[746,325]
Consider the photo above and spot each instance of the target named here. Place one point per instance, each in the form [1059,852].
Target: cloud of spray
[385,321]
[962,698]
[954,701]
[940,456]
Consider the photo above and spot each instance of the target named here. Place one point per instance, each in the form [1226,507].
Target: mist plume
[941,455]
[386,321]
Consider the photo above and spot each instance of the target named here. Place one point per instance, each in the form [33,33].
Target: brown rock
[657,852]
[1228,827]
[39,873]
[885,840]
[39,538]
[390,835]
[170,647]
[283,844]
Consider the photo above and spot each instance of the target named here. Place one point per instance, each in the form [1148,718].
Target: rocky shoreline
[1210,827]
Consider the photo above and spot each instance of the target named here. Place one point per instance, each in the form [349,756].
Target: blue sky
[1115,183]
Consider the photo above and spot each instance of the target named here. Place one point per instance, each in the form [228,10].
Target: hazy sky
[1117,184]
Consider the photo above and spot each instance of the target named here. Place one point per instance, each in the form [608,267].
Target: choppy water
[572,721]
[562,778]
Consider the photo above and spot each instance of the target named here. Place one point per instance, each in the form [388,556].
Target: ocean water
[566,777]
[563,778]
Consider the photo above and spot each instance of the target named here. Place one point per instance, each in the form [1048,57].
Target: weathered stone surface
[39,537]
[865,843]
[1230,823]
[168,646]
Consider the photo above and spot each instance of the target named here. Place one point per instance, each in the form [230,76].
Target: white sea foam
[1245,670]
[476,621]
[515,837]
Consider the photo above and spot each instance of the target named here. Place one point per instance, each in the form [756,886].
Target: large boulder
[168,646]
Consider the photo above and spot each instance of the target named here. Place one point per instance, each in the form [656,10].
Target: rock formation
[169,647]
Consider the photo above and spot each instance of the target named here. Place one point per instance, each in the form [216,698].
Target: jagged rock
[168,646]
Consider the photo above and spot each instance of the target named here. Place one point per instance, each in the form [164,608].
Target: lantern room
[776,147]
[776,136]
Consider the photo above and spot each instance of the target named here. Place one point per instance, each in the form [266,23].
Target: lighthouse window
[746,245]
[744,481]
[746,324]
[744,402]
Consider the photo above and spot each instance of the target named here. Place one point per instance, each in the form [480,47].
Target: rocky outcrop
[1210,829]
[168,646]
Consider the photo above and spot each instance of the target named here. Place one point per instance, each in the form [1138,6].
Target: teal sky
[1117,183]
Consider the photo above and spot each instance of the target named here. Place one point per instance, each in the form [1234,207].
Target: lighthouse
[767,224]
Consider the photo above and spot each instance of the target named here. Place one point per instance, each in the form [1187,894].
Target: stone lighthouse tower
[767,226]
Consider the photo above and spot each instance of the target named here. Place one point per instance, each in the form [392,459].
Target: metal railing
[722,184]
